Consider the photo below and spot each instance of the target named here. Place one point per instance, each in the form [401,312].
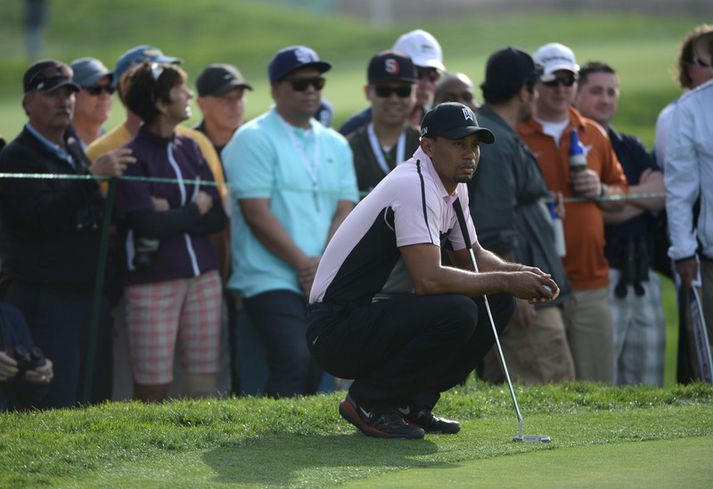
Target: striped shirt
[410,206]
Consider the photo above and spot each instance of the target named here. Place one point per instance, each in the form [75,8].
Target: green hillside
[247,34]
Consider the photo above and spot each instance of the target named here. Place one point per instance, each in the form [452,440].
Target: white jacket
[689,173]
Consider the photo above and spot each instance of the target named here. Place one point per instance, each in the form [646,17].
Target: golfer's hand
[524,314]
[535,286]
[8,367]
[41,375]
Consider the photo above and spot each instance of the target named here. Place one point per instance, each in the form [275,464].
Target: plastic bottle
[557,230]
[577,158]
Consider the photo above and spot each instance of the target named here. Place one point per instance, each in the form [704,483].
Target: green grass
[257,442]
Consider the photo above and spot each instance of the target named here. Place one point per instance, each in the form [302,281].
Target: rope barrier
[59,176]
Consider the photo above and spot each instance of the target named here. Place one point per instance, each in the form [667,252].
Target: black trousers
[408,349]
[60,325]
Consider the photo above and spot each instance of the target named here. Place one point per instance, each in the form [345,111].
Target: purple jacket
[186,250]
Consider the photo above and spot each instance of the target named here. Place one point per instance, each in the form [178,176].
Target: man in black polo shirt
[385,312]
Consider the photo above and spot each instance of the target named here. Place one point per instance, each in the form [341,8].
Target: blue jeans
[280,318]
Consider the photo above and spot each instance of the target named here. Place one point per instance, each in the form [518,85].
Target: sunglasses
[565,81]
[698,61]
[156,70]
[383,91]
[52,71]
[431,74]
[97,90]
[301,84]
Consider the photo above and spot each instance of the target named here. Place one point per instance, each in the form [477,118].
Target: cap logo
[467,114]
[391,66]
[151,53]
[303,56]
[557,57]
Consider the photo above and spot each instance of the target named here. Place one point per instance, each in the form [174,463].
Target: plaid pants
[183,311]
[639,332]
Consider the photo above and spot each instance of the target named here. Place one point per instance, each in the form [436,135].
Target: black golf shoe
[424,418]
[381,425]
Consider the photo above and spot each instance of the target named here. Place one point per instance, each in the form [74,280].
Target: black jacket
[50,227]
[505,196]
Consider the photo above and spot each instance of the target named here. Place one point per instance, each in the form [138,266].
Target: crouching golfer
[384,310]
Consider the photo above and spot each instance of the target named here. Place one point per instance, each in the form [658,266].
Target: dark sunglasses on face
[566,81]
[431,73]
[97,90]
[383,91]
[301,84]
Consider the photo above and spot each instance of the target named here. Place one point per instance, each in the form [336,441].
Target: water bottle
[557,230]
[577,159]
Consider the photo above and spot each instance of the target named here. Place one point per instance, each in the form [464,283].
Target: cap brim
[321,66]
[228,87]
[429,63]
[484,135]
[549,73]
[51,86]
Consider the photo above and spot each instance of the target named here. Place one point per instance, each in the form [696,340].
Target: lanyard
[311,167]
[379,152]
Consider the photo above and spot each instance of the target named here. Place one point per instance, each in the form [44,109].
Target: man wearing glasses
[388,139]
[52,231]
[426,54]
[292,183]
[93,102]
[554,132]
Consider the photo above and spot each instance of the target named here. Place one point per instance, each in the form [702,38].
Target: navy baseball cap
[88,71]
[138,55]
[47,75]
[453,120]
[294,58]
[391,66]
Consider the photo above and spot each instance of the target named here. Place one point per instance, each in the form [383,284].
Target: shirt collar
[56,149]
[430,170]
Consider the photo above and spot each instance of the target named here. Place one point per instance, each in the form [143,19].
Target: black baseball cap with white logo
[391,66]
[453,120]
[219,79]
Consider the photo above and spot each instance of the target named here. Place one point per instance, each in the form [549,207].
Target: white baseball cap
[423,49]
[553,57]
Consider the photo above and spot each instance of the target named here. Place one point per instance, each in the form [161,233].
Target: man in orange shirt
[554,128]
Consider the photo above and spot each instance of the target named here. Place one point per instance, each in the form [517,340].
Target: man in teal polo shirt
[292,184]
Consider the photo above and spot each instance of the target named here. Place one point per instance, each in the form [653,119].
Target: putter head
[532,438]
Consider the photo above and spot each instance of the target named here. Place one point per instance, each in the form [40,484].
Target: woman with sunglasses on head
[173,289]
[93,102]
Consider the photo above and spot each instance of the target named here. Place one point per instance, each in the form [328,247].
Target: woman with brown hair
[173,289]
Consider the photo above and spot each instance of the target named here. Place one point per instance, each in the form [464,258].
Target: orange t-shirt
[584,263]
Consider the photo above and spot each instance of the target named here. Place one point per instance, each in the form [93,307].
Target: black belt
[324,307]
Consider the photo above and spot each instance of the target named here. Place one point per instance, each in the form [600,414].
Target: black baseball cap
[453,120]
[293,58]
[47,75]
[506,72]
[219,79]
[391,66]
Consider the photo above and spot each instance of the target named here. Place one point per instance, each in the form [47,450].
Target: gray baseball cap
[88,71]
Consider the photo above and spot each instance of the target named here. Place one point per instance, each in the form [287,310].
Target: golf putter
[466,237]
